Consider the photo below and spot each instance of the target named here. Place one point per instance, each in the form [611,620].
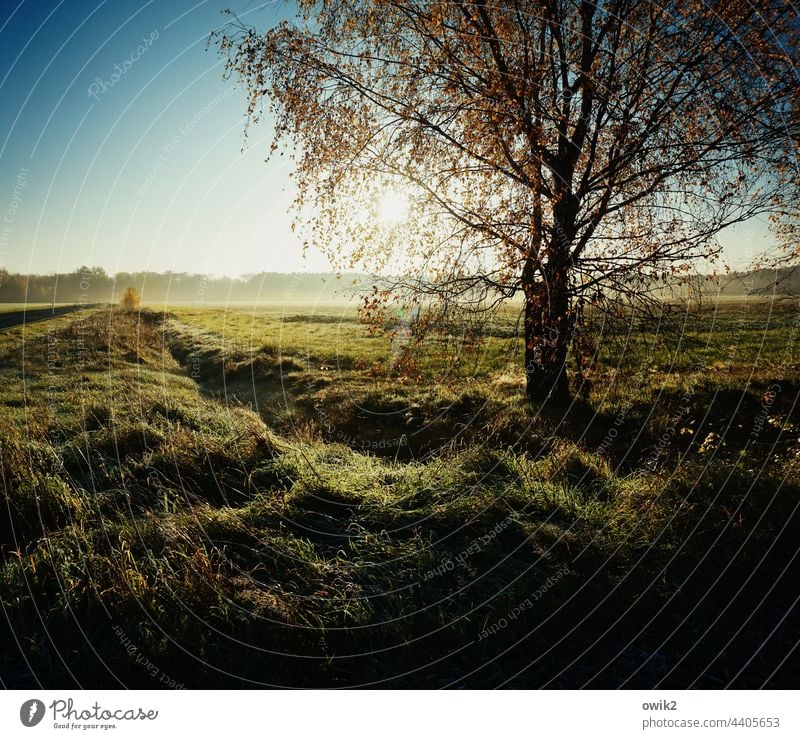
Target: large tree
[552,150]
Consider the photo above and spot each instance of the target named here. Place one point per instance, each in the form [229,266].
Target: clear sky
[122,146]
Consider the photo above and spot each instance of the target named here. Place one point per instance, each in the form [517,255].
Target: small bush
[130,299]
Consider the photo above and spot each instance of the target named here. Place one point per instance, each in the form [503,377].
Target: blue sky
[122,146]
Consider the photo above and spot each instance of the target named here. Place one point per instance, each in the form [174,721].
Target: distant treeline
[94,285]
[784,281]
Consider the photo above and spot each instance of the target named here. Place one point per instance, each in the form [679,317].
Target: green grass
[325,376]
[265,497]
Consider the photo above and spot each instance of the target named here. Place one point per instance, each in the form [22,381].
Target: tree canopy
[555,150]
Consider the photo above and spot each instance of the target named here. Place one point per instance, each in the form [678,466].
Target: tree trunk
[547,336]
[548,319]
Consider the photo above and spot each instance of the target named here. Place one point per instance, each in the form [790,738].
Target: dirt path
[20,317]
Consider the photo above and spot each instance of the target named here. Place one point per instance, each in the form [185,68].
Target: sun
[393,207]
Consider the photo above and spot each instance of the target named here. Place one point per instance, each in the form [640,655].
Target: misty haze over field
[93,284]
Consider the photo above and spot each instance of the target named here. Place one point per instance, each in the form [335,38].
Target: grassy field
[258,495]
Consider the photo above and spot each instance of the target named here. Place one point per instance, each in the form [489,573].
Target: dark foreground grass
[165,526]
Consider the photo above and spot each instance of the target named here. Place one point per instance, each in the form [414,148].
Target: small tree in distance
[130,299]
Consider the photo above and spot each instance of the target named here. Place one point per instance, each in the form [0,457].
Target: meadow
[245,496]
